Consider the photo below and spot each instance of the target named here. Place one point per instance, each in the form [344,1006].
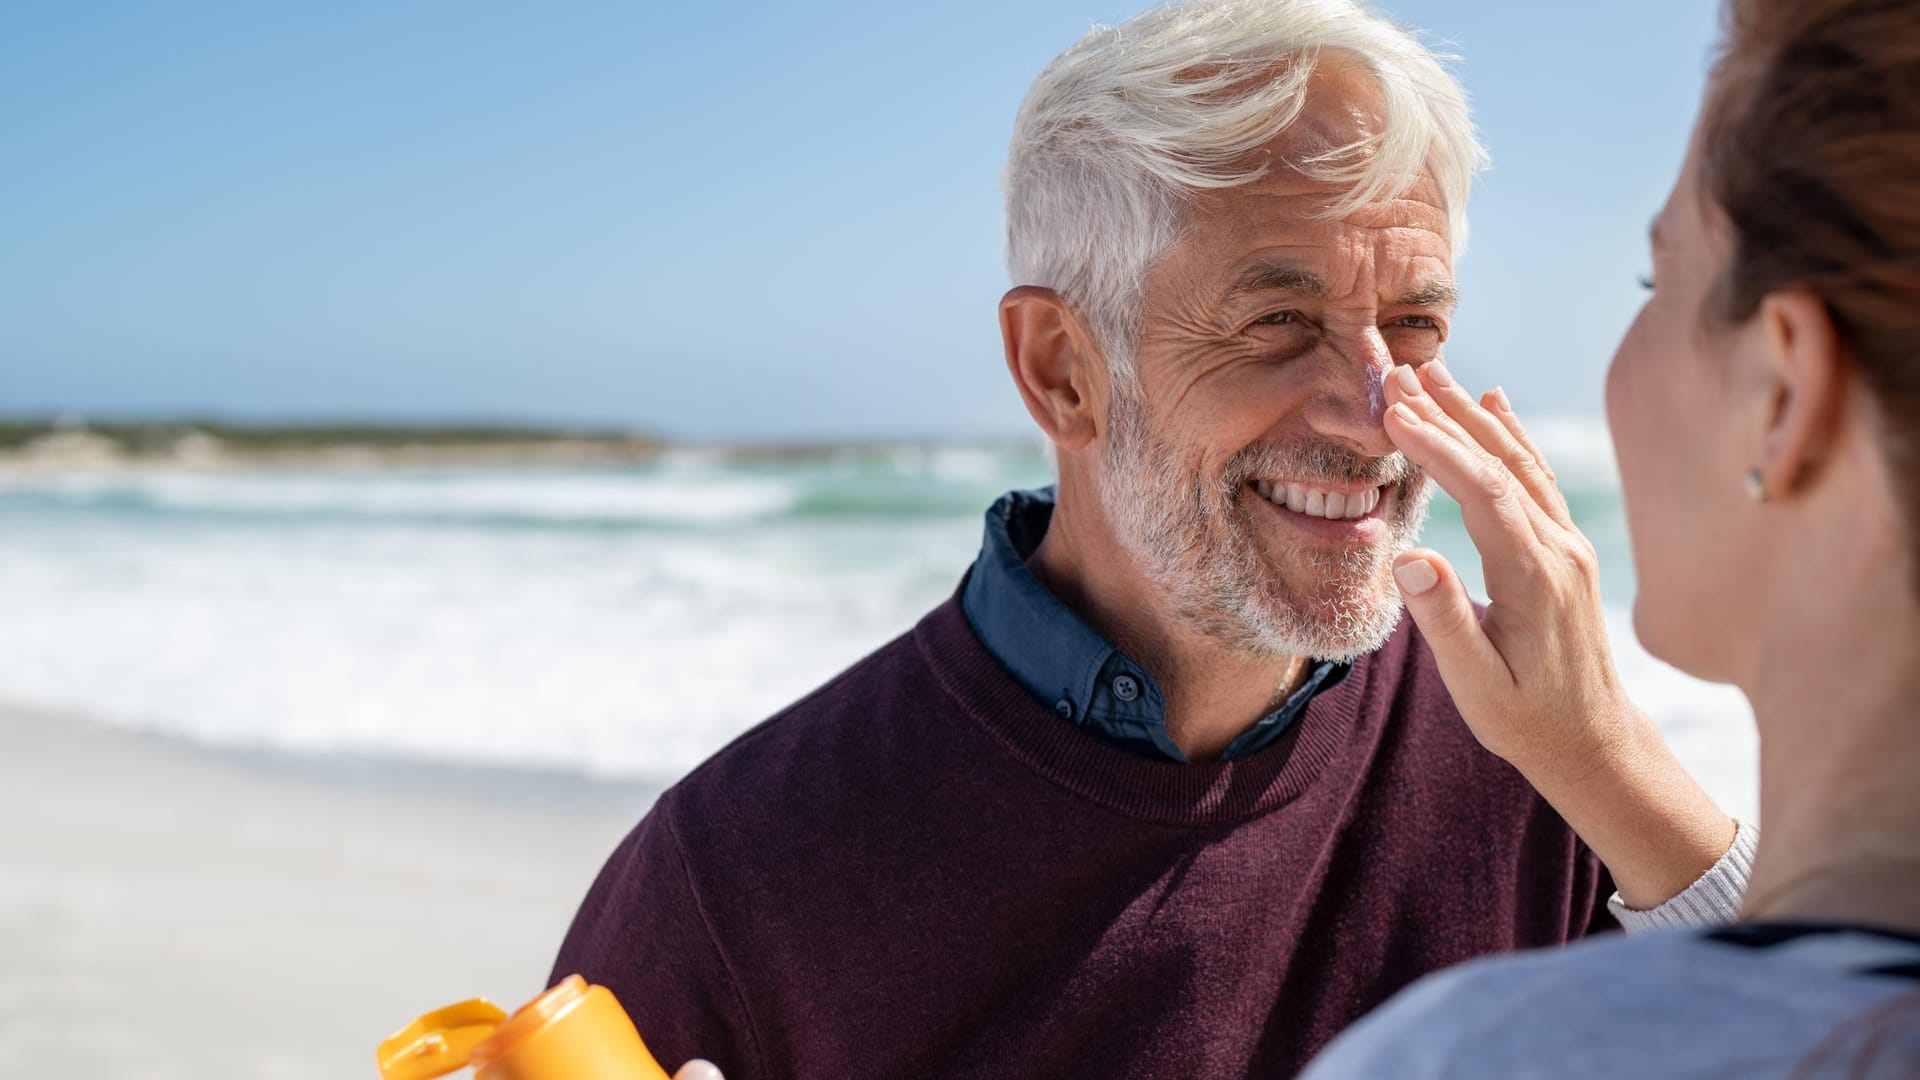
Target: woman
[1766,411]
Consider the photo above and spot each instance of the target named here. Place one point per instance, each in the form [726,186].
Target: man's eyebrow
[1440,292]
[1653,233]
[1280,276]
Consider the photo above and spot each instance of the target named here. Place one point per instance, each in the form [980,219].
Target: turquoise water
[619,621]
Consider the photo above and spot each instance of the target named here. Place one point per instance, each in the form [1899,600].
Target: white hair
[1119,131]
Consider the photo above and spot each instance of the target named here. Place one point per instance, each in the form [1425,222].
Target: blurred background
[428,430]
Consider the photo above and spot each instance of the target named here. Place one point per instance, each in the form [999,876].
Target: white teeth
[1332,505]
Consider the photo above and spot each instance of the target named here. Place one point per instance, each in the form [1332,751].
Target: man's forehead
[1285,195]
[1286,209]
[1289,230]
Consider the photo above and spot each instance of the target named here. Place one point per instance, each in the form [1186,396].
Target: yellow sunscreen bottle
[572,1032]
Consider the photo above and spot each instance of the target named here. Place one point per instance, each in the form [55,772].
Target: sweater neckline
[1197,794]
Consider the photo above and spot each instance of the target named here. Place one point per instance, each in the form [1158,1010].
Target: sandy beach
[172,911]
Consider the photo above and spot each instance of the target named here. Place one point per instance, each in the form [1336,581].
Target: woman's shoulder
[1671,1003]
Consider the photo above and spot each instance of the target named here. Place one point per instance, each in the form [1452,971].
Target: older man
[1165,790]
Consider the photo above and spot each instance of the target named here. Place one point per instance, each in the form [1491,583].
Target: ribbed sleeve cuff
[1714,900]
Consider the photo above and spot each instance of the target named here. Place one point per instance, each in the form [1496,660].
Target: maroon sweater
[920,870]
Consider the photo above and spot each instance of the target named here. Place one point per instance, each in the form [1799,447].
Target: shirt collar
[1068,664]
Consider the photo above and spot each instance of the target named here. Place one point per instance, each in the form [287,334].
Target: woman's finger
[1406,387]
[1496,513]
[698,1070]
[1495,401]
[1496,438]
[1471,666]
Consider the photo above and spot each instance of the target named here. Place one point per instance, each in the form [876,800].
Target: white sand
[169,911]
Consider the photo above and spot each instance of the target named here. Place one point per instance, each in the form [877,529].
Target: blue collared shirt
[1068,664]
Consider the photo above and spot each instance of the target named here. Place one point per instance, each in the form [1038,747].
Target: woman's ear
[1055,363]
[1806,370]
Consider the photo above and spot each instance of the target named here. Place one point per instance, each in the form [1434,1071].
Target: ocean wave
[616,654]
[689,488]
[494,498]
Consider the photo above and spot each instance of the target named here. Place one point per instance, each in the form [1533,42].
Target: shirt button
[1064,708]
[1126,688]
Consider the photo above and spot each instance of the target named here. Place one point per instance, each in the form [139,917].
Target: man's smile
[1329,511]
[1322,500]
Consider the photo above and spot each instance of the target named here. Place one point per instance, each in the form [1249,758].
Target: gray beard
[1195,540]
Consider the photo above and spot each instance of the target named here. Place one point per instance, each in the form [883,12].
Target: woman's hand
[1534,676]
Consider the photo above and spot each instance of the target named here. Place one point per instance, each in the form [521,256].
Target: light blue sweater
[1753,1002]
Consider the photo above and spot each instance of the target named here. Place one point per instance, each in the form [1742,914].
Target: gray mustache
[1306,462]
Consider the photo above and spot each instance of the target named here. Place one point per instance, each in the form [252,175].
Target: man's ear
[1806,371]
[1054,362]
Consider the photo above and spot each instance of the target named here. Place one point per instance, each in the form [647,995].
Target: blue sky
[713,220]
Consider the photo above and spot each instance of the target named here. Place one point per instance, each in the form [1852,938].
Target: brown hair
[1811,150]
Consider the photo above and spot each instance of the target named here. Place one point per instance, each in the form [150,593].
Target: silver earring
[1756,487]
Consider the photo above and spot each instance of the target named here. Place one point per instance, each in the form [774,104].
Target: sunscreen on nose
[1377,394]
[572,1032]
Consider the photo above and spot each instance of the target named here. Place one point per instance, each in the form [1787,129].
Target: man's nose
[1351,404]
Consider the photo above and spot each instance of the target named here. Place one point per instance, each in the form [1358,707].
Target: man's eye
[1646,282]
[1278,318]
[1421,322]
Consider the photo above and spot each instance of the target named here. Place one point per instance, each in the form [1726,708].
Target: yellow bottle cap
[572,1032]
[439,1042]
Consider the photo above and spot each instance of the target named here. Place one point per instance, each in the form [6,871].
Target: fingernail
[1416,577]
[1404,414]
[1409,380]
[1500,399]
[1437,371]
[698,1070]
